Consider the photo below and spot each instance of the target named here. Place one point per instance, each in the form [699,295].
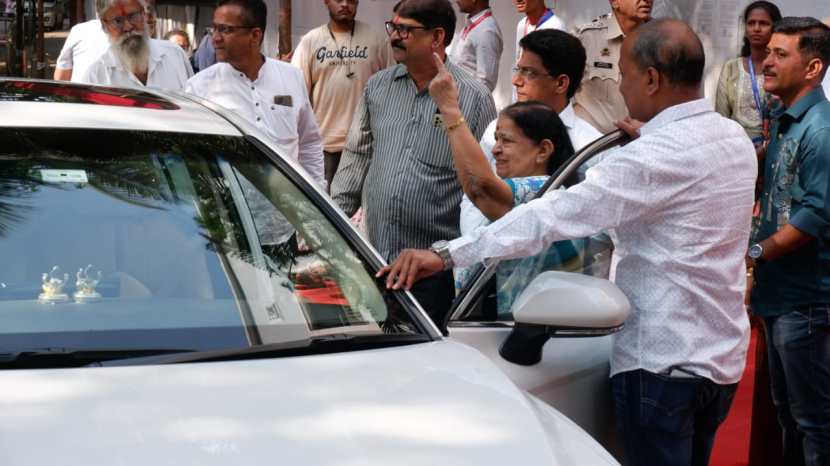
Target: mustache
[398,44]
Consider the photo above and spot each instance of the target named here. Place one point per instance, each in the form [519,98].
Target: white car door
[573,373]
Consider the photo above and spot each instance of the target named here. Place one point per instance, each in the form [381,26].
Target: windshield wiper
[42,358]
[333,343]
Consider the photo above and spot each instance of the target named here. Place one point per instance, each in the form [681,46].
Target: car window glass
[182,241]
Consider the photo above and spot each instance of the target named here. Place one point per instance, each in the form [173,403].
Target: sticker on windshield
[64,176]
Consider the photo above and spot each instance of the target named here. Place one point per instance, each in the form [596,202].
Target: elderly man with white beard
[134,59]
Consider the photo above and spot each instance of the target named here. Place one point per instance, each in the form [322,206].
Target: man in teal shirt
[792,257]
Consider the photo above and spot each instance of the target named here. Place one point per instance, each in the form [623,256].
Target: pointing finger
[439,63]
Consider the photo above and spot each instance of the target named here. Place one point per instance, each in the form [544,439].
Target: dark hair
[254,12]
[773,12]
[176,32]
[432,14]
[560,52]
[679,57]
[539,122]
[814,37]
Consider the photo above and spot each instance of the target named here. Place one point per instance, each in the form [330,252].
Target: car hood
[431,403]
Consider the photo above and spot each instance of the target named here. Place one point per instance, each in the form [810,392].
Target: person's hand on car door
[410,266]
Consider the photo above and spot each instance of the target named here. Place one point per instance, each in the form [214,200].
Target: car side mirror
[562,304]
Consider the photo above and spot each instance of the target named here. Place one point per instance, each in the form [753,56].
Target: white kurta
[276,102]
[168,68]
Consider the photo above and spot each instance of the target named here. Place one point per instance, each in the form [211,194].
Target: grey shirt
[398,156]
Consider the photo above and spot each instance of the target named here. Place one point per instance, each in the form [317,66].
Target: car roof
[51,104]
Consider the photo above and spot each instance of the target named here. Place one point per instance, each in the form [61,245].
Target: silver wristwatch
[442,248]
[756,252]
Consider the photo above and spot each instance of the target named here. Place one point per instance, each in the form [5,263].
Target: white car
[174,292]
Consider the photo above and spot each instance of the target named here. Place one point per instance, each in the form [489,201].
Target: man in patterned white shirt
[681,211]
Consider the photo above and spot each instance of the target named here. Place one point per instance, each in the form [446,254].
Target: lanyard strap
[470,27]
[756,92]
[548,15]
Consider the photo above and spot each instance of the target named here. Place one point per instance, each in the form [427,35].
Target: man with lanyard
[599,101]
[337,59]
[478,48]
[792,259]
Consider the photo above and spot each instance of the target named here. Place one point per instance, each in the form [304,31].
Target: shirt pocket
[432,148]
[283,121]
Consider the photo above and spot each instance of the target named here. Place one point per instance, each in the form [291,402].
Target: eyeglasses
[528,73]
[224,29]
[403,30]
[119,22]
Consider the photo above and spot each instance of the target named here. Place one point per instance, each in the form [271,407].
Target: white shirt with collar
[580,132]
[477,49]
[86,42]
[168,68]
[681,210]
[276,102]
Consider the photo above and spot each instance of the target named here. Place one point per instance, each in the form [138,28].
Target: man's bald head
[672,48]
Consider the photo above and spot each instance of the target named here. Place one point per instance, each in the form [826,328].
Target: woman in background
[741,95]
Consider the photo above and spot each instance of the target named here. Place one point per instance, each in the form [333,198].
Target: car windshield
[134,240]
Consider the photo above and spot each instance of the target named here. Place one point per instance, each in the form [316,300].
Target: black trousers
[331,160]
[435,294]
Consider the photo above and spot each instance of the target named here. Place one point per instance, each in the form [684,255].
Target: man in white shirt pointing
[681,211]
[268,93]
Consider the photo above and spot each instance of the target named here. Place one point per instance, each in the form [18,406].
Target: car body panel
[189,117]
[572,376]
[429,403]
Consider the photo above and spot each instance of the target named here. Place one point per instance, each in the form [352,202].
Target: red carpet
[732,442]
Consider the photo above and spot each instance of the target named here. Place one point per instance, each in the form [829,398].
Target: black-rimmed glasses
[403,30]
[225,29]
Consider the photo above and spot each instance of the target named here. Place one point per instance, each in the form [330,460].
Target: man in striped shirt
[397,154]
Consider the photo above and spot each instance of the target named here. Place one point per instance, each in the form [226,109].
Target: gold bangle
[455,125]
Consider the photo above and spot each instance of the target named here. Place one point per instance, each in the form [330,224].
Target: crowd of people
[707,206]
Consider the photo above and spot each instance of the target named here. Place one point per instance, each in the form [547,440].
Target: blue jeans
[668,421]
[799,364]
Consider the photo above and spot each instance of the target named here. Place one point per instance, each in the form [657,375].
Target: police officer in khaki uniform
[598,100]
